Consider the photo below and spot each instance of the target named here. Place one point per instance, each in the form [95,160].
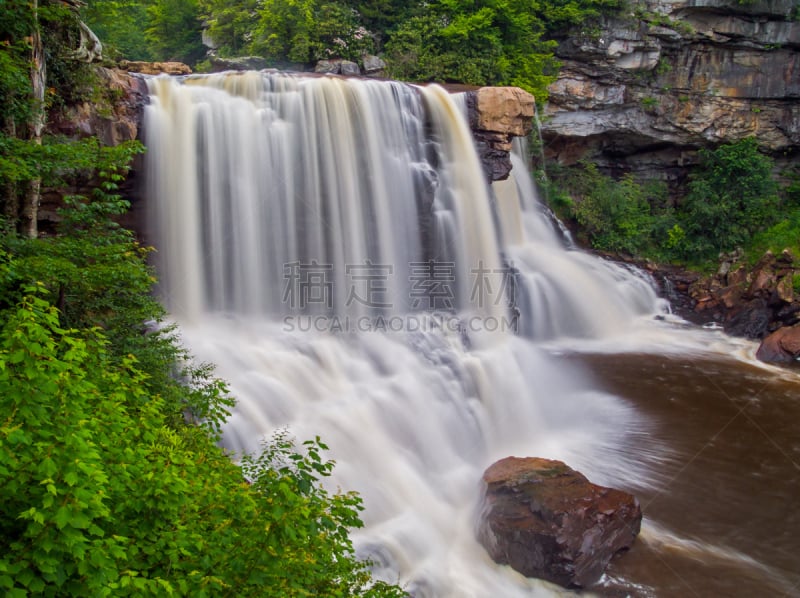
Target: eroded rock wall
[642,93]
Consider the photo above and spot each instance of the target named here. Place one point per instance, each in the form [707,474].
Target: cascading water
[331,246]
[560,292]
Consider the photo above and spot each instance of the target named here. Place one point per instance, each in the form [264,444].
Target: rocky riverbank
[751,301]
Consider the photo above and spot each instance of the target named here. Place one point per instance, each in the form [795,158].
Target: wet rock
[546,520]
[751,320]
[155,68]
[748,301]
[782,346]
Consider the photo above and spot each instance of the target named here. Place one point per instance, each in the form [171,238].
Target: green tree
[489,43]
[103,496]
[121,25]
[303,31]
[174,30]
[619,215]
[230,24]
[732,195]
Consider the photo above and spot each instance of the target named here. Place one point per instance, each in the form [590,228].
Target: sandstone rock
[782,346]
[337,66]
[546,520]
[496,116]
[112,124]
[505,110]
[720,71]
[155,68]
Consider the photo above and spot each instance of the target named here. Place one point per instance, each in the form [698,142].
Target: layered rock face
[642,94]
[546,520]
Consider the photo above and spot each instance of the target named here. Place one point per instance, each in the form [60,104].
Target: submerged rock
[546,520]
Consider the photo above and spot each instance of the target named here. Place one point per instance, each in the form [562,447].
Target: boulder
[328,67]
[373,66]
[505,110]
[782,346]
[546,520]
[240,63]
[749,301]
[350,69]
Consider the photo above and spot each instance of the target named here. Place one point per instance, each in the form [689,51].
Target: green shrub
[102,496]
[732,196]
[623,215]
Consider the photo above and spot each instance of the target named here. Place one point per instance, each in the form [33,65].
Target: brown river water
[723,517]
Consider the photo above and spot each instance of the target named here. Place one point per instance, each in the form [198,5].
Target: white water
[259,181]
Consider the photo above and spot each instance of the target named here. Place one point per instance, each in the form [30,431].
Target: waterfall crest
[278,201]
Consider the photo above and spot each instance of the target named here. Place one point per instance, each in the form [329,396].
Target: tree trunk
[30,209]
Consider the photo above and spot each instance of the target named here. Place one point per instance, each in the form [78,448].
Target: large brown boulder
[782,346]
[546,520]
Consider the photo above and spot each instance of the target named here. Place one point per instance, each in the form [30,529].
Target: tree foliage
[102,496]
[733,201]
[112,481]
[731,196]
[121,25]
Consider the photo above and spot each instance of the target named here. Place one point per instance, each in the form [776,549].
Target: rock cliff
[642,93]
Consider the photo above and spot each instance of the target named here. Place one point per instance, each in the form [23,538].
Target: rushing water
[332,247]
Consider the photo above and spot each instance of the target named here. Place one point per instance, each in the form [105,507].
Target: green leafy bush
[732,196]
[112,481]
[623,215]
[103,497]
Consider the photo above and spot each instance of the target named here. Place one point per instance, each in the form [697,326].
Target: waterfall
[331,245]
[562,291]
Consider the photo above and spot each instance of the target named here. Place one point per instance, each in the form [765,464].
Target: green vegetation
[489,42]
[731,196]
[615,215]
[112,482]
[106,489]
[733,201]
[148,29]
